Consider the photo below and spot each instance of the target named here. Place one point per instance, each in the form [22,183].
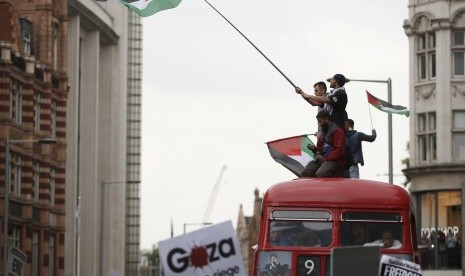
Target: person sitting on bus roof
[386,241]
[329,152]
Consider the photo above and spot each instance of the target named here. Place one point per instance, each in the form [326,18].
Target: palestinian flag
[149,7]
[291,152]
[387,107]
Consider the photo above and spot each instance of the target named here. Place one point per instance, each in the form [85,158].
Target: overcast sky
[210,99]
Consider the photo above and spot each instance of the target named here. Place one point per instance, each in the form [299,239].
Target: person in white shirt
[386,241]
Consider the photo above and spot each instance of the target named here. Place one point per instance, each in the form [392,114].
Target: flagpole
[369,112]
[276,67]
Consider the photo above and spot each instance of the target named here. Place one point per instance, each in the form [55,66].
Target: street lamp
[389,87]
[6,198]
[102,202]
[200,223]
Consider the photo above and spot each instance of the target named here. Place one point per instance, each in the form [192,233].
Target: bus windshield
[300,228]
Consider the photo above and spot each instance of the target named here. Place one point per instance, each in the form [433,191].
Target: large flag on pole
[291,152]
[149,7]
[387,107]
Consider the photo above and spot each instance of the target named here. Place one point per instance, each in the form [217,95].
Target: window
[55,46]
[52,186]
[15,170]
[53,119]
[426,133]
[51,257]
[426,56]
[16,101]
[36,179]
[459,135]
[35,253]
[300,228]
[26,36]
[458,53]
[14,236]
[37,99]
[372,228]
[440,222]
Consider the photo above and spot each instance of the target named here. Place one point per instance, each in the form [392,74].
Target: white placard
[210,251]
[395,266]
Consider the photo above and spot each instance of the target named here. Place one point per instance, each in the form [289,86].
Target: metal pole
[6,201]
[390,150]
[391,175]
[102,202]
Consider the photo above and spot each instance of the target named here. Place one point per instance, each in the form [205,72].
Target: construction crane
[213,195]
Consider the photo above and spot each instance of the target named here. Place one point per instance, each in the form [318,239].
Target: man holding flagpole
[335,102]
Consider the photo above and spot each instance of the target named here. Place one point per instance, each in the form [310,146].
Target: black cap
[340,79]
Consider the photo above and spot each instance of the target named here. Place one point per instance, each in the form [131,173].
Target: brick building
[33,95]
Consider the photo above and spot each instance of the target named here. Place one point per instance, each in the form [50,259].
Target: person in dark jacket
[329,151]
[354,142]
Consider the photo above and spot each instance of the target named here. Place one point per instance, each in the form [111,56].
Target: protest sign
[210,251]
[391,266]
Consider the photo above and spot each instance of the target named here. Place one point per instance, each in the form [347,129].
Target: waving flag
[387,107]
[149,7]
[291,152]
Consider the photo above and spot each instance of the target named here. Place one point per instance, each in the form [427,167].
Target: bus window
[300,228]
[376,228]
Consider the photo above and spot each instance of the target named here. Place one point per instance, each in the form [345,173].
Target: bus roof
[337,192]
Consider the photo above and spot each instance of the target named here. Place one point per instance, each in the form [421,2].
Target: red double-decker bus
[304,219]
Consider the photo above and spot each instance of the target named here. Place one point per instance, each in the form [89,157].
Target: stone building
[247,232]
[436,33]
[103,137]
[33,96]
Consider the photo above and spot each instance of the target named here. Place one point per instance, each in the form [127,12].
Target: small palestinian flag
[292,152]
[387,107]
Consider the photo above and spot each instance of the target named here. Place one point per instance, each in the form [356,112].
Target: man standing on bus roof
[320,90]
[354,142]
[329,152]
[335,101]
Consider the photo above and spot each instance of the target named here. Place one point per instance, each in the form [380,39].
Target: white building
[103,134]
[436,32]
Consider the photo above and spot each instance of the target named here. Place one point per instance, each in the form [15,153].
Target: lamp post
[389,91]
[102,217]
[199,223]
[6,198]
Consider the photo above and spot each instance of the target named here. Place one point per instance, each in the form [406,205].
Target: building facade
[33,96]
[103,137]
[436,33]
